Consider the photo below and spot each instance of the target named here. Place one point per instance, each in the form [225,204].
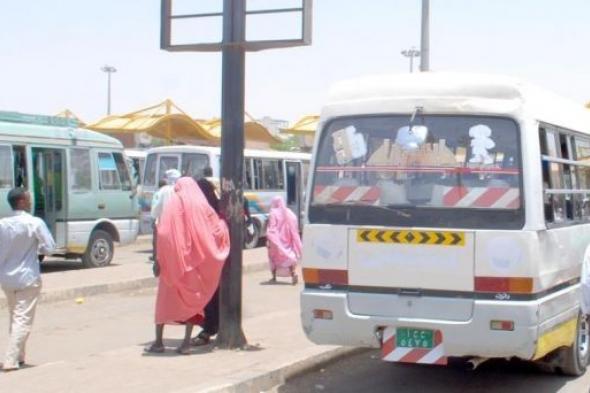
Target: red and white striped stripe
[342,194]
[391,353]
[491,197]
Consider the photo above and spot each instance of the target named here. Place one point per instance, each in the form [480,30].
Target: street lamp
[109,70]
[411,53]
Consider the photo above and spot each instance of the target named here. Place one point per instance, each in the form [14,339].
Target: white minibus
[78,179]
[448,216]
[266,174]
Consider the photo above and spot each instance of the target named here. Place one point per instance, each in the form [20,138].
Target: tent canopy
[68,114]
[306,126]
[165,120]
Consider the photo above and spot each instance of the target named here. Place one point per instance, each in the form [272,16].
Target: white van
[449,216]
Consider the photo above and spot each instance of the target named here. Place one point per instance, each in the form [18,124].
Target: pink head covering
[282,234]
[193,243]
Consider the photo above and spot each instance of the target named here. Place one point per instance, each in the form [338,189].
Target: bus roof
[453,93]
[135,153]
[217,150]
[48,129]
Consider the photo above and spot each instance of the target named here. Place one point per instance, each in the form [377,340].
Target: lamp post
[425,37]
[411,53]
[109,70]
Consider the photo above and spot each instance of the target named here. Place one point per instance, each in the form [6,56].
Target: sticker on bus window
[481,142]
[348,145]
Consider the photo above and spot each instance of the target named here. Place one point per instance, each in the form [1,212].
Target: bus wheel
[252,235]
[574,359]
[100,250]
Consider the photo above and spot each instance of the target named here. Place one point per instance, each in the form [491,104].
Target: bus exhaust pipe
[475,362]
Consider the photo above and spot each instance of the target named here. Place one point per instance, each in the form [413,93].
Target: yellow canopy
[68,114]
[254,132]
[306,126]
[165,120]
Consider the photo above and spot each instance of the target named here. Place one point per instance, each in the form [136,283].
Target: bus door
[294,187]
[48,190]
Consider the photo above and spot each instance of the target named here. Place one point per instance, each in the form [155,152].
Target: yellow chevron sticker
[411,237]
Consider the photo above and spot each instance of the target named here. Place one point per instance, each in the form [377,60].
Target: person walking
[158,202]
[283,241]
[193,244]
[22,237]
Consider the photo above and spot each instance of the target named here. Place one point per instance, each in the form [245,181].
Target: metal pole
[109,93]
[411,64]
[425,37]
[232,162]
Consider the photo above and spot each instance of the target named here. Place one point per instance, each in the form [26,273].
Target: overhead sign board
[269,25]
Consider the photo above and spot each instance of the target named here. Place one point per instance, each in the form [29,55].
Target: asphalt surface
[366,372]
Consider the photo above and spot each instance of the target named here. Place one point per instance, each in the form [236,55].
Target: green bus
[79,181]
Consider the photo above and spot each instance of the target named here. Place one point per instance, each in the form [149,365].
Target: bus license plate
[414,338]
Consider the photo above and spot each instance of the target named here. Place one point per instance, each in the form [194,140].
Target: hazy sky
[51,52]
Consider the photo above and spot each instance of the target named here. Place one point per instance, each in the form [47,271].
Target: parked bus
[79,183]
[266,174]
[449,217]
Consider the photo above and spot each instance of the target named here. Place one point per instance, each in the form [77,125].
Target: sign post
[233,46]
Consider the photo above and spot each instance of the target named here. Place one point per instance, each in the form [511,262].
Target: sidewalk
[72,284]
[278,349]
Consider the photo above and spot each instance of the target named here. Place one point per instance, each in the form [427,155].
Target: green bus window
[108,175]
[123,172]
[20,166]
[6,180]
[80,170]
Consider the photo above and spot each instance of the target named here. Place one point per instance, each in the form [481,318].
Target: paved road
[67,330]
[365,372]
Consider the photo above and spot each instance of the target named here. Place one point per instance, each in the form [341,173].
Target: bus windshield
[424,170]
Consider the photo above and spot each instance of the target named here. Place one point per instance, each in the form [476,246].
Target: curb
[266,381]
[58,295]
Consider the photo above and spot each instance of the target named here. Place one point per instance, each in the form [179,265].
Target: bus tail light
[502,325]
[322,314]
[504,284]
[325,276]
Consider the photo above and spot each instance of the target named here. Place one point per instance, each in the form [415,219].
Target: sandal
[154,349]
[201,339]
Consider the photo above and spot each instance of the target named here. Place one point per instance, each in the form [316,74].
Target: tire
[251,240]
[574,360]
[100,250]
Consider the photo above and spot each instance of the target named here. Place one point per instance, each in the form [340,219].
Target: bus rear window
[423,168]
[193,164]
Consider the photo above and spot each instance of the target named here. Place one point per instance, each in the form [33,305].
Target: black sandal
[201,339]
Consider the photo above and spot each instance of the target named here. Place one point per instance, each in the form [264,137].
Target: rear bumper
[460,338]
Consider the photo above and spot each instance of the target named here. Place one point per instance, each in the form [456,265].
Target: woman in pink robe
[283,241]
[193,243]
